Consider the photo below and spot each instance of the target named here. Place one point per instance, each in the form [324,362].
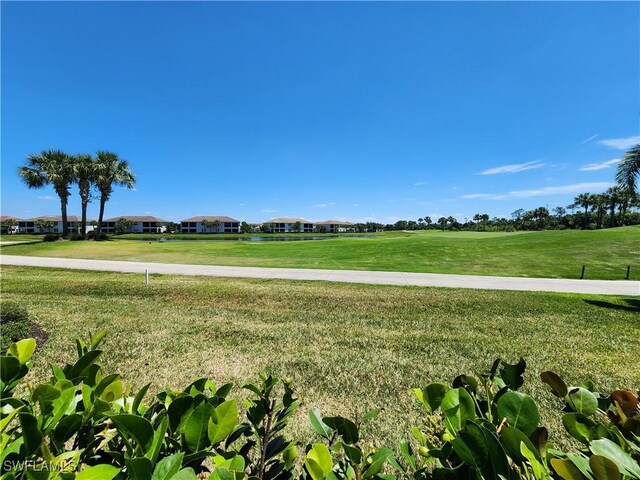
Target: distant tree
[266,228]
[211,224]
[428,221]
[613,197]
[629,170]
[443,222]
[321,228]
[400,225]
[124,225]
[44,225]
[245,227]
[297,227]
[173,227]
[110,170]
[583,201]
[476,218]
[599,205]
[50,167]
[6,226]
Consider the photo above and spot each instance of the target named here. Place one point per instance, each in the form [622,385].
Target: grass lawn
[345,346]
[606,253]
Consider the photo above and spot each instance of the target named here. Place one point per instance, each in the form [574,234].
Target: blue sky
[363,111]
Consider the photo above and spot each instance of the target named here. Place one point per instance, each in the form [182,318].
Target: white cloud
[621,143]
[46,197]
[541,192]
[150,213]
[600,166]
[242,204]
[513,168]
[323,205]
[587,140]
[268,210]
[417,184]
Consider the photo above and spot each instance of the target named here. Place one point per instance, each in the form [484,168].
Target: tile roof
[211,218]
[287,220]
[334,222]
[55,218]
[136,218]
[8,217]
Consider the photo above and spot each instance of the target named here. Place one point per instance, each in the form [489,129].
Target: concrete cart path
[603,287]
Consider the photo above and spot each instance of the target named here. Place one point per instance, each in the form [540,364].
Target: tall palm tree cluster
[99,174]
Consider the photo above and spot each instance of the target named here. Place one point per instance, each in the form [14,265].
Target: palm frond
[629,170]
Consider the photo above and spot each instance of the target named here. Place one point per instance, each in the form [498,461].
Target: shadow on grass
[632,305]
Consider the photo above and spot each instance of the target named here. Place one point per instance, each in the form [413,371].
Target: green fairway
[343,345]
[561,254]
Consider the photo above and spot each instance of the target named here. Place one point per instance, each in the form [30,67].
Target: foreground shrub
[14,323]
[84,424]
[51,237]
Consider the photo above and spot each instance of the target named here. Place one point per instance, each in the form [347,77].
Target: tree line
[95,176]
[613,208]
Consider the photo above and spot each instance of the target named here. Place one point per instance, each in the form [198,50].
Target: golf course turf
[342,344]
[555,254]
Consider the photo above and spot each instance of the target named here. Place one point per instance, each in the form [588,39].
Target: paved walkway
[604,287]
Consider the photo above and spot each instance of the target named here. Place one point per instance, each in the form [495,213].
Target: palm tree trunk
[83,227]
[585,221]
[63,207]
[613,215]
[100,216]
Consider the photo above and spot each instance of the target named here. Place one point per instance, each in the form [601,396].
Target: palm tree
[629,170]
[613,196]
[84,171]
[110,170]
[583,200]
[599,204]
[50,167]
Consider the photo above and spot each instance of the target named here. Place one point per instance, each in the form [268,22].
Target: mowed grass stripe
[347,347]
[553,254]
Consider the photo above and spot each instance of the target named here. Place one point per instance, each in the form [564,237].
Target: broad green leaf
[520,411]
[44,393]
[10,368]
[613,452]
[83,364]
[158,438]
[185,474]
[431,396]
[558,387]
[603,468]
[98,472]
[378,460]
[513,375]
[582,400]
[566,469]
[318,461]
[345,427]
[139,468]
[133,426]
[223,421]
[512,439]
[23,349]
[7,420]
[315,417]
[168,467]
[457,407]
[471,446]
[579,426]
[96,339]
[196,427]
[30,432]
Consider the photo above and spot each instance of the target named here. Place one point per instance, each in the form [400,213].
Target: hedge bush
[84,424]
[51,237]
[14,323]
